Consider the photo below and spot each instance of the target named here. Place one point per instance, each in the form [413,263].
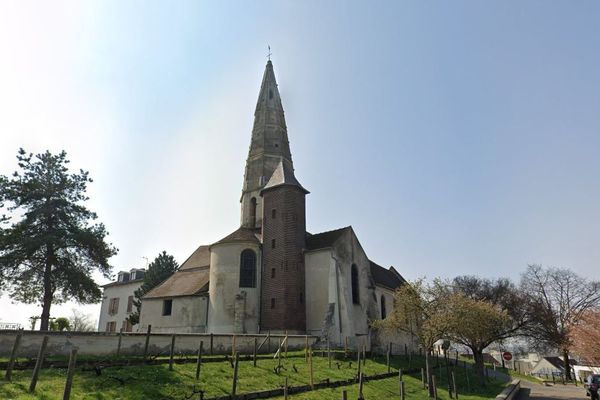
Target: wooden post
[233,345]
[199,360]
[328,353]
[402,394]
[310,365]
[235,374]
[38,364]
[405,351]
[171,352]
[13,356]
[269,341]
[119,342]
[147,341]
[286,343]
[423,377]
[279,354]
[358,362]
[455,389]
[211,344]
[306,348]
[70,373]
[285,389]
[254,354]
[364,358]
[400,381]
[346,346]
[400,374]
[344,395]
[360,387]
[388,357]
[435,396]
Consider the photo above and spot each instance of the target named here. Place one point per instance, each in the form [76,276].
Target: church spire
[269,144]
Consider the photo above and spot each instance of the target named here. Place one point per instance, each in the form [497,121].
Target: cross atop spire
[269,53]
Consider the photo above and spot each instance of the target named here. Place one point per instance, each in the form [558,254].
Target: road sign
[507,356]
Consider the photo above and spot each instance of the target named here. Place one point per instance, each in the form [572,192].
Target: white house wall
[188,315]
[224,289]
[121,291]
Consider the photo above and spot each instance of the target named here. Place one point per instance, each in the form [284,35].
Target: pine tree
[163,266]
[48,245]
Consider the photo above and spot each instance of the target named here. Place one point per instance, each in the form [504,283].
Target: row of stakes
[282,348]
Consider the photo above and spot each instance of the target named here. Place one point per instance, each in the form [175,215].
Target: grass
[157,382]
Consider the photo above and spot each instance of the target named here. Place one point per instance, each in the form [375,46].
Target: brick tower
[283,234]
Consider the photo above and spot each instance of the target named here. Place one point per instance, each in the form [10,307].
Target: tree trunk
[429,373]
[567,365]
[479,366]
[48,292]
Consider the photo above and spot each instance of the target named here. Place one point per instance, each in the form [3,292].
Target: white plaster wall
[188,315]
[320,289]
[122,291]
[224,286]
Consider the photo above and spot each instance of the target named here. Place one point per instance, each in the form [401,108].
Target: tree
[497,308]
[476,324]
[421,311]
[585,336]
[558,299]
[60,324]
[81,322]
[163,266]
[50,247]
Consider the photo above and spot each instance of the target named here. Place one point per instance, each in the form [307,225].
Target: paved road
[537,391]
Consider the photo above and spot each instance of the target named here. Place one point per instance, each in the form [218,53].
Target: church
[270,274]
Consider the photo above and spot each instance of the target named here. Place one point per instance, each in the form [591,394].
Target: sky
[455,137]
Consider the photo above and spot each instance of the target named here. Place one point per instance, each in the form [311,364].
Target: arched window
[248,269]
[383,311]
[253,210]
[354,273]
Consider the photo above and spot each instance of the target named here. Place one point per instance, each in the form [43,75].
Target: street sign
[507,356]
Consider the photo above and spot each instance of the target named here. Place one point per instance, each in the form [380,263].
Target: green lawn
[157,382]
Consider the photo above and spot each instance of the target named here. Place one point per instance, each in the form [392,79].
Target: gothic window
[248,269]
[383,311]
[354,276]
[253,210]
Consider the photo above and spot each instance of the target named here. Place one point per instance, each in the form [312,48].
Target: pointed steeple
[283,176]
[269,145]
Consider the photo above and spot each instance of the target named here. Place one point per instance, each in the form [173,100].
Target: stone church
[270,274]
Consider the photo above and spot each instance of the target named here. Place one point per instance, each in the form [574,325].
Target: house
[117,301]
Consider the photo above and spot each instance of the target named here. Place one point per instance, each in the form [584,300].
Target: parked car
[591,384]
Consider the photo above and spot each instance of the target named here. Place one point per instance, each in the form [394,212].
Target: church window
[272,302]
[273,213]
[272,243]
[354,277]
[272,272]
[253,210]
[248,269]
[383,310]
[167,307]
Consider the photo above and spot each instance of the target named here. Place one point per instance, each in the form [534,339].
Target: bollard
[38,364]
[70,373]
[13,356]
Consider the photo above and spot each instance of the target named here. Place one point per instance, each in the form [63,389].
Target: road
[537,391]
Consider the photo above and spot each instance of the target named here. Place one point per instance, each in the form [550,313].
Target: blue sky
[455,137]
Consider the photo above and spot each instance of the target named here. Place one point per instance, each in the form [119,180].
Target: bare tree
[558,299]
[81,322]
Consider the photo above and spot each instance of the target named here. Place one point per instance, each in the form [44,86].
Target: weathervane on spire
[269,54]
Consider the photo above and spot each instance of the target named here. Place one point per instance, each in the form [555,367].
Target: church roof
[390,278]
[199,258]
[186,282]
[241,235]
[283,175]
[324,239]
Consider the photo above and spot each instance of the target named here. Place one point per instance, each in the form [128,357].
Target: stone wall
[101,343]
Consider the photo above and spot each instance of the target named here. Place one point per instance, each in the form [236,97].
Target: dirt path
[537,391]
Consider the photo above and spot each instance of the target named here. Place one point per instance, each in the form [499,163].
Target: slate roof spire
[269,144]
[283,176]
